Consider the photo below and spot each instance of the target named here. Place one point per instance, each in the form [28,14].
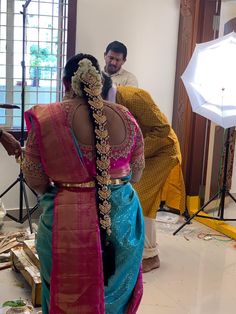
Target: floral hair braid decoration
[91,78]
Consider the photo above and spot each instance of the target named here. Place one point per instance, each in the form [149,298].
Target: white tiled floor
[196,276]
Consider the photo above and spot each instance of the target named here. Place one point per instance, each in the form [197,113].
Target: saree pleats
[127,236]
[73,237]
[76,251]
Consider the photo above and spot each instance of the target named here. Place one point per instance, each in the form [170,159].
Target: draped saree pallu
[68,238]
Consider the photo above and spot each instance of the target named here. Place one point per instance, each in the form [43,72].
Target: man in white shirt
[115,56]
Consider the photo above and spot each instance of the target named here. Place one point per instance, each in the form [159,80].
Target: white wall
[228,11]
[149,28]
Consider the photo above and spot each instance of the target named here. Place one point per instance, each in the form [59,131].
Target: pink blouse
[125,157]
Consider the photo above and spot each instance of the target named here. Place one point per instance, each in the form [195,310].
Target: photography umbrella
[210,82]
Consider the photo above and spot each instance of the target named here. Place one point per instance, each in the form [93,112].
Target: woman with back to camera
[82,155]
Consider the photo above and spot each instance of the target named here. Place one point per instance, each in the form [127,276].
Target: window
[45,54]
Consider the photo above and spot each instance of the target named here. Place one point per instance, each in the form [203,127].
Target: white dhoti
[150,244]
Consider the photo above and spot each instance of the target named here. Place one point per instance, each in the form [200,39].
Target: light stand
[162,208]
[20,179]
[224,191]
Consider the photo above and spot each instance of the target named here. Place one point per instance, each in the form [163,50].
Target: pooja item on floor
[26,261]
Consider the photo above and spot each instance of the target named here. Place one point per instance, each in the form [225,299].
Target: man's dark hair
[118,47]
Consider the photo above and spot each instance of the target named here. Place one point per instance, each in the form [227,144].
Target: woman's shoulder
[41,112]
[42,107]
[122,112]
[115,106]
[36,110]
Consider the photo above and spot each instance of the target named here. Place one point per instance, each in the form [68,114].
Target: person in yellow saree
[162,179]
[82,155]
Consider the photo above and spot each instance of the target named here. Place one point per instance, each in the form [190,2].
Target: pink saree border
[136,295]
[56,118]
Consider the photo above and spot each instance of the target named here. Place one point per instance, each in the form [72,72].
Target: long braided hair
[84,74]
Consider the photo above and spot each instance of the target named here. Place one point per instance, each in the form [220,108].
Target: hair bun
[89,76]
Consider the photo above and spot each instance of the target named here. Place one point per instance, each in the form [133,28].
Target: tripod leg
[222,204]
[11,186]
[8,189]
[167,210]
[21,199]
[161,208]
[224,184]
[233,198]
[27,207]
[195,214]
[186,214]
[22,196]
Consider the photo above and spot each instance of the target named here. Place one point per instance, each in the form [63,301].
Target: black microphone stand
[23,198]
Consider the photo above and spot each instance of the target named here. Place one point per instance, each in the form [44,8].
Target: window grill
[45,54]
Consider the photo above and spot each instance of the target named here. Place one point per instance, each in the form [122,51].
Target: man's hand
[11,145]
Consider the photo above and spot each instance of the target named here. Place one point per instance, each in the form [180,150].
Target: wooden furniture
[26,261]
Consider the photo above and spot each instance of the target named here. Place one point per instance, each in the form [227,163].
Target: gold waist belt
[90,184]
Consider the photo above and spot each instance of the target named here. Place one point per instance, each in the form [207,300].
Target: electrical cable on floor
[213,236]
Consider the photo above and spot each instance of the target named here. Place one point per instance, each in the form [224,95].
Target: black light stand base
[186,214]
[23,199]
[224,191]
[162,208]
[220,210]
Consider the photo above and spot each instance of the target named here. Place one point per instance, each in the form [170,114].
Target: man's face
[114,61]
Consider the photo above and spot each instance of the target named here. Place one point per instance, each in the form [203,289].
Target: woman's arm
[32,167]
[137,160]
[11,145]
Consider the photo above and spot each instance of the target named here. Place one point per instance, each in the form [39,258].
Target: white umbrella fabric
[210,80]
